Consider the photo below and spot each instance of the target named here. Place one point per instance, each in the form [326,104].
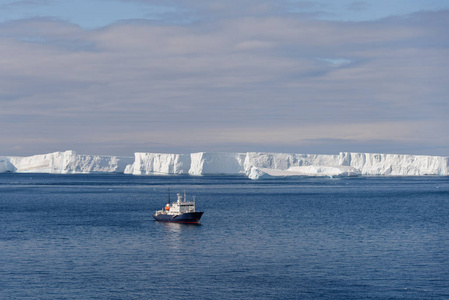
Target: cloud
[25,3]
[260,81]
[358,5]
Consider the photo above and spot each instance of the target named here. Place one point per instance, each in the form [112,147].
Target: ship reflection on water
[177,236]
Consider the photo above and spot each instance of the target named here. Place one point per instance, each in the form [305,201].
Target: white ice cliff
[64,163]
[256,165]
[159,163]
[251,164]
[5,165]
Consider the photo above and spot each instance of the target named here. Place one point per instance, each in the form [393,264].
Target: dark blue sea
[93,237]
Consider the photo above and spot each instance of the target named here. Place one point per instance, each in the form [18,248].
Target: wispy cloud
[24,3]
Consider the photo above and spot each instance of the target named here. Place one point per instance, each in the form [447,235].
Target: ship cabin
[180,206]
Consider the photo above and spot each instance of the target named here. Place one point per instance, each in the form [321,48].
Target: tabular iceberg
[396,164]
[251,164]
[159,163]
[256,165]
[64,163]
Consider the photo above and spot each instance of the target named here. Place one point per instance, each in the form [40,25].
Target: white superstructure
[179,207]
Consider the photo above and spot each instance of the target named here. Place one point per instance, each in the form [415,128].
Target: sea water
[93,237]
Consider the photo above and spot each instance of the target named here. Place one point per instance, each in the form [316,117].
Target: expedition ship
[181,211]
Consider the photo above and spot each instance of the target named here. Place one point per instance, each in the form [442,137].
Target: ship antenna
[168,195]
[184,195]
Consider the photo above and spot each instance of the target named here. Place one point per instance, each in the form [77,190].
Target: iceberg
[5,165]
[396,164]
[313,171]
[217,163]
[254,165]
[67,162]
[159,163]
[258,165]
[200,163]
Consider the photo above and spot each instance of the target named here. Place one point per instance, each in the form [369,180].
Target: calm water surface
[93,237]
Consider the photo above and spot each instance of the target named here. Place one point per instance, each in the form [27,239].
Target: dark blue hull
[192,217]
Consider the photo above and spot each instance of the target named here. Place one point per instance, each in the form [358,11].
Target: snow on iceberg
[68,162]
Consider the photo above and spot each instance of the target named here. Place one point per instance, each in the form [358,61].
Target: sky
[115,77]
